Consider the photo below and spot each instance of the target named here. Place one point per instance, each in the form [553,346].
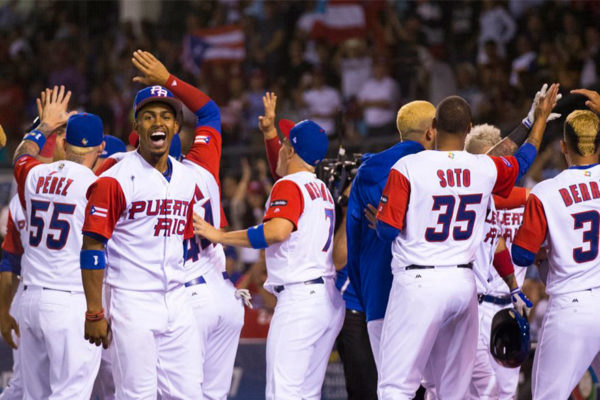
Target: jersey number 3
[62,226]
[590,236]
[445,218]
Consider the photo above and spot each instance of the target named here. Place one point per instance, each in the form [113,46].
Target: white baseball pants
[569,340]
[306,322]
[219,317]
[491,380]
[104,385]
[155,345]
[56,361]
[429,329]
[14,390]
[374,328]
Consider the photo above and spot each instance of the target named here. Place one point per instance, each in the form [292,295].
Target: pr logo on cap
[158,91]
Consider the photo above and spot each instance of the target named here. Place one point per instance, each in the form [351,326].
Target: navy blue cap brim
[170,101]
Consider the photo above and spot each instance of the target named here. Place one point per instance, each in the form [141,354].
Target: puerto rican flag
[202,139]
[99,211]
[341,20]
[223,44]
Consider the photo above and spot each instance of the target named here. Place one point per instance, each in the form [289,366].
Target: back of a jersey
[55,199]
[449,194]
[565,210]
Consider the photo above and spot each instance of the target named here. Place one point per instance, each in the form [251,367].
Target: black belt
[501,301]
[280,288]
[47,288]
[469,265]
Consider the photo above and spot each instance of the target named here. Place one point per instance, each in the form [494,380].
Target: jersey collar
[582,166]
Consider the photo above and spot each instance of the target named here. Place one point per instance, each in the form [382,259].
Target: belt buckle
[480,298]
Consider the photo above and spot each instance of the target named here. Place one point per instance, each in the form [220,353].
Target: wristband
[93,317]
[520,133]
[503,263]
[527,123]
[37,137]
[92,259]
[256,237]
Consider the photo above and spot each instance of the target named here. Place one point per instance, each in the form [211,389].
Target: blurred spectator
[322,102]
[525,59]
[379,98]
[497,25]
[354,66]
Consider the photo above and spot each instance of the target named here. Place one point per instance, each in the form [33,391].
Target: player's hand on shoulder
[593,99]
[521,302]
[371,215]
[206,230]
[266,123]
[7,325]
[98,332]
[154,72]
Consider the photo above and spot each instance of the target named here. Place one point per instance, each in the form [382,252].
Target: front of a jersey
[306,254]
[145,216]
[203,256]
[446,207]
[55,200]
[565,210]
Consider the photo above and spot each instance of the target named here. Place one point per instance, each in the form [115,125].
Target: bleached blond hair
[414,117]
[581,131]
[481,138]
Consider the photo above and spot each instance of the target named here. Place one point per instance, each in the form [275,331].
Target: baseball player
[140,210]
[435,216]
[219,313]
[495,285]
[564,211]
[55,361]
[297,235]
[369,257]
[10,271]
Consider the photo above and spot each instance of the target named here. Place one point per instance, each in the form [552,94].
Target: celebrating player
[141,210]
[564,211]
[297,235]
[219,314]
[433,207]
[55,361]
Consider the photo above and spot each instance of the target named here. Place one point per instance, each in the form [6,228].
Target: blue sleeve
[354,218]
[386,232]
[521,256]
[209,115]
[10,262]
[525,157]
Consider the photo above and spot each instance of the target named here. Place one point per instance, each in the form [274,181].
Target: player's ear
[563,147]
[176,127]
[101,148]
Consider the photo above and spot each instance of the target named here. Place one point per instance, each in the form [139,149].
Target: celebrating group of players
[127,253]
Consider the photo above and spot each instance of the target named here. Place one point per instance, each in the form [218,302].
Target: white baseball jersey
[16,233]
[306,253]
[146,217]
[565,210]
[442,206]
[17,216]
[53,196]
[203,255]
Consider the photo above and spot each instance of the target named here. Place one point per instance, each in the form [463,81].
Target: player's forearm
[511,281]
[273,231]
[537,132]
[193,98]
[510,143]
[92,287]
[29,146]
[6,291]
[272,146]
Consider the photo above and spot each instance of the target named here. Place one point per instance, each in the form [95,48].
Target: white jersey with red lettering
[565,211]
[18,218]
[306,254]
[145,217]
[54,200]
[448,200]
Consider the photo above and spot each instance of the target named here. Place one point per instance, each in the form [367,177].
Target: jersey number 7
[56,223]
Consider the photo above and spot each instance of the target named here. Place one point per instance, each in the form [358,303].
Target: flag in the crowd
[342,20]
[214,45]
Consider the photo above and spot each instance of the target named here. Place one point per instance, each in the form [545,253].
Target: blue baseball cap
[307,138]
[84,130]
[112,145]
[157,94]
[175,149]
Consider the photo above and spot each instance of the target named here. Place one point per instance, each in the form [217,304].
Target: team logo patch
[508,164]
[99,211]
[278,203]
[158,91]
[384,199]
[587,173]
[202,139]
[451,155]
[21,224]
[84,141]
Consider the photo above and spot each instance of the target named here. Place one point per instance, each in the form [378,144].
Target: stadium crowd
[352,81]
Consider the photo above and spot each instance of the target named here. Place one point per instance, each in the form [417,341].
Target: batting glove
[245,295]
[520,301]
[530,119]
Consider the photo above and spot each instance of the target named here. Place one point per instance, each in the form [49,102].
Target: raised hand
[266,123]
[593,99]
[547,101]
[154,72]
[542,93]
[53,104]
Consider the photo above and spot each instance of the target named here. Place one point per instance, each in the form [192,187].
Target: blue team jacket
[370,258]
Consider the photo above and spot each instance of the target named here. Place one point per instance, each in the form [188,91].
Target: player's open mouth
[158,138]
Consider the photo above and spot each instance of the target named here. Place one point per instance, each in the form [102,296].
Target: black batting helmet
[509,338]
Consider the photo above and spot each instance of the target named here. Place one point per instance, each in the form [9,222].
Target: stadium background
[348,64]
